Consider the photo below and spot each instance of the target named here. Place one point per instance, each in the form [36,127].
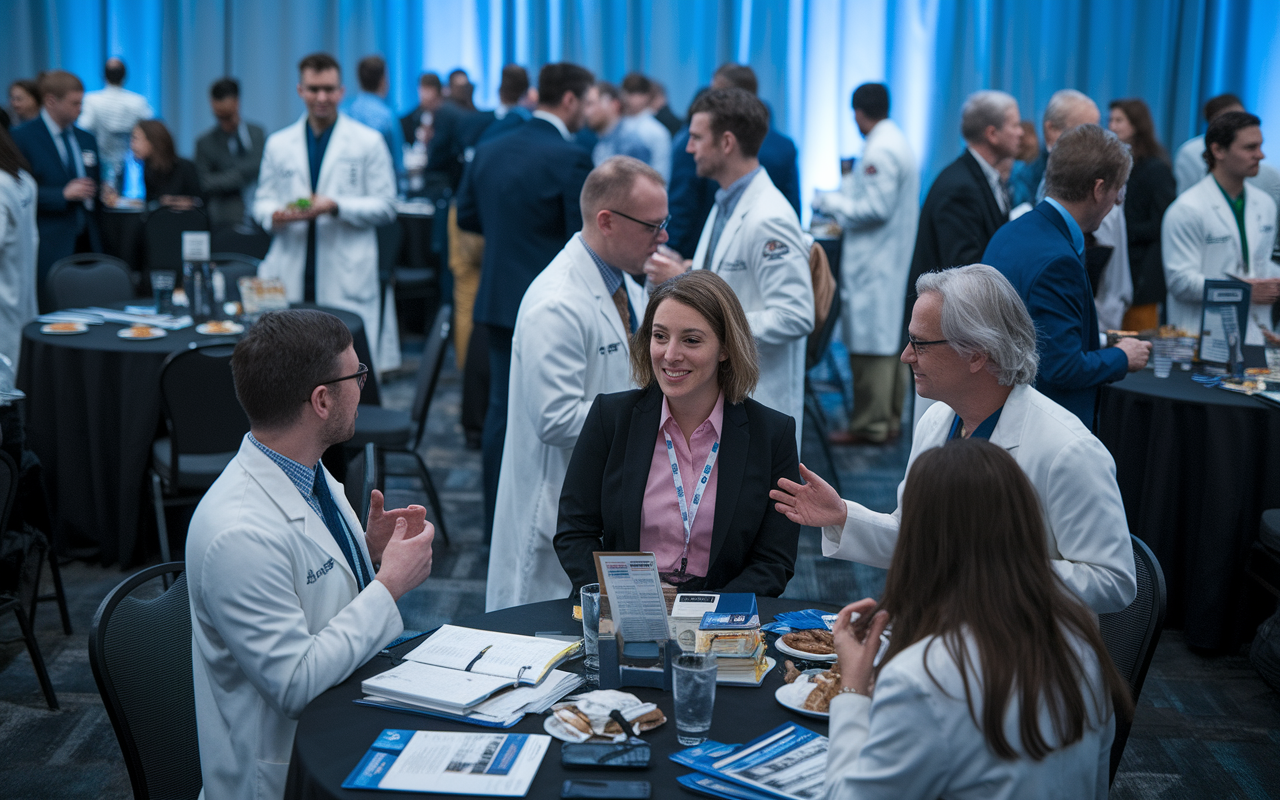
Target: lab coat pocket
[271,779]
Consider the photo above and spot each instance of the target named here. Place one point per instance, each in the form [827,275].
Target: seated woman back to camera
[996,682]
[683,466]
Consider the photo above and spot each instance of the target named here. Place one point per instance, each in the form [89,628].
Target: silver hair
[982,110]
[1061,104]
[982,313]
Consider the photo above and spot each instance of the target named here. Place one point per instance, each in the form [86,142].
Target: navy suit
[60,221]
[1035,253]
[520,192]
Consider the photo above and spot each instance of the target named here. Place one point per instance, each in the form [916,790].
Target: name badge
[90,158]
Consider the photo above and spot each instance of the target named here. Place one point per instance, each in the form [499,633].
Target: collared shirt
[1237,209]
[984,429]
[661,527]
[993,180]
[520,111]
[110,114]
[613,279]
[726,202]
[1073,227]
[77,158]
[621,141]
[556,121]
[373,111]
[316,145]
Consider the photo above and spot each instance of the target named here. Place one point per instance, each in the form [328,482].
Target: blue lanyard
[688,514]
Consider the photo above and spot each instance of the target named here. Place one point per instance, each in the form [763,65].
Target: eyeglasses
[918,347]
[361,375]
[653,229]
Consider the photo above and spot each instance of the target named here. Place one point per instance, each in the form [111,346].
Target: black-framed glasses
[361,375]
[653,229]
[918,347]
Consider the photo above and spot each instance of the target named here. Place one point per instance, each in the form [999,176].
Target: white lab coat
[1074,476]
[19,243]
[878,207]
[762,255]
[1115,295]
[357,174]
[569,346]
[275,621]
[1199,239]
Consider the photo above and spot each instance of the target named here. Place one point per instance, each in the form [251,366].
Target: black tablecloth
[334,733]
[1196,467]
[93,411]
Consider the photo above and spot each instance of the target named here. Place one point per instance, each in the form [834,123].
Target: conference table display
[336,733]
[1197,465]
[93,410]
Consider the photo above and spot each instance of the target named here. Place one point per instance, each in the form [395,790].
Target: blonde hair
[709,295]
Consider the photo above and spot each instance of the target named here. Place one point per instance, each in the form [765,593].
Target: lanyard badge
[689,512]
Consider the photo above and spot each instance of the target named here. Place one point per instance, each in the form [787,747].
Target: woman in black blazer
[694,351]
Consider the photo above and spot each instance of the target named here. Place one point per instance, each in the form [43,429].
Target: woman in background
[1150,190]
[19,241]
[996,683]
[170,181]
[24,101]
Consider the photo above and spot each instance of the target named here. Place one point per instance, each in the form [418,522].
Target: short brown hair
[1082,156]
[319,62]
[740,76]
[163,155]
[515,83]
[283,357]
[430,79]
[610,184]
[1222,132]
[1217,104]
[739,112]
[370,72]
[709,295]
[636,83]
[58,83]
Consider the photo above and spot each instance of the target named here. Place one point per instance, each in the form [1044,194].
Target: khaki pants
[466,249]
[879,389]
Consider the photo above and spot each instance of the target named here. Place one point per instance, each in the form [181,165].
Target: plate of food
[809,692]
[811,645]
[141,332]
[220,327]
[64,328]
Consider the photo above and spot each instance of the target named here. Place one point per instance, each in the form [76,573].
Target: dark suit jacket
[959,217]
[56,217]
[521,193]
[1034,252]
[224,176]
[1150,192]
[456,130]
[753,546]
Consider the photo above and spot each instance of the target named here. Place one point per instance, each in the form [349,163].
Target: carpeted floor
[1206,727]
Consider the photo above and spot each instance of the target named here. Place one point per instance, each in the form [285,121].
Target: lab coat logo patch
[775,249]
[870,170]
[315,575]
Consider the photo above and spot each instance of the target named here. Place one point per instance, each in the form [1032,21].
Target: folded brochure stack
[787,763]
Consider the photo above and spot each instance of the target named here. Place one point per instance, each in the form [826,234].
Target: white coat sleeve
[784,281]
[267,199]
[869,201]
[1182,245]
[248,584]
[376,206]
[551,386]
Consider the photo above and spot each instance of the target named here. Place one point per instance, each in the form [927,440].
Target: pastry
[818,642]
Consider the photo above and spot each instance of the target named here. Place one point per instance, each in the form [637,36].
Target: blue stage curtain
[809,54]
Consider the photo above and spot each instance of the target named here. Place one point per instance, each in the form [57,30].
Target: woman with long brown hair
[996,682]
[170,181]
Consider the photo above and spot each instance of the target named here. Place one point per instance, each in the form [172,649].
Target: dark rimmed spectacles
[653,229]
[918,347]
[361,375]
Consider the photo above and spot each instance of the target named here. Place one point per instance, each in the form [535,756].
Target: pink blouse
[661,529]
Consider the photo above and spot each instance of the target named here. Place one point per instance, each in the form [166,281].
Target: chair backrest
[1131,635]
[140,652]
[89,279]
[163,231]
[241,238]
[429,370]
[389,237]
[8,488]
[233,267]
[198,397]
[370,481]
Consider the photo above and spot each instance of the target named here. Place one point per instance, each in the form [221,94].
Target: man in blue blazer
[521,192]
[1042,255]
[64,162]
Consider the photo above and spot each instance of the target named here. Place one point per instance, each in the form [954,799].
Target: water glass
[1162,356]
[590,596]
[162,281]
[694,679]
[1273,358]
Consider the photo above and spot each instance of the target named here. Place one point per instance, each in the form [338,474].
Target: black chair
[389,240]
[815,351]
[372,479]
[243,237]
[233,267]
[140,652]
[392,430]
[89,279]
[162,233]
[206,425]
[14,550]
[1263,563]
[1131,635]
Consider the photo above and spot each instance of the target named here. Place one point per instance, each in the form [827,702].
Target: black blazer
[1149,194]
[753,546]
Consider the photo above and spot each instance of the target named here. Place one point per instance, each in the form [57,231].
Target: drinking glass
[162,281]
[1162,356]
[694,679]
[1273,358]
[590,596]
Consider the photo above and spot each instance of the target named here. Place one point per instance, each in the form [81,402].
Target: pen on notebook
[478,657]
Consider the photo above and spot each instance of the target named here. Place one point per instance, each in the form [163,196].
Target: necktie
[333,521]
[70,160]
[624,308]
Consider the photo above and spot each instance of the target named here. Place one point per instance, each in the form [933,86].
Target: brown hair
[30,87]
[1144,144]
[319,62]
[370,72]
[611,185]
[737,111]
[11,158]
[1081,156]
[515,82]
[163,156]
[1222,132]
[709,295]
[971,569]
[283,357]
[58,83]
[740,76]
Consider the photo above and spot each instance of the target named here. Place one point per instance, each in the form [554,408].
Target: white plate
[80,327]
[156,333]
[230,329]
[770,663]
[807,656]
[793,695]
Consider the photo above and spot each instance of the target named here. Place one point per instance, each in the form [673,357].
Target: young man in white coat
[878,206]
[326,248]
[972,348]
[571,343]
[1222,228]
[753,240]
[289,593]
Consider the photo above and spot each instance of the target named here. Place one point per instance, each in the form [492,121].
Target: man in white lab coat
[878,206]
[571,343]
[326,248]
[1222,227]
[753,240]
[289,593]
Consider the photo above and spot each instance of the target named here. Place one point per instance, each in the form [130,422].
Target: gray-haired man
[972,347]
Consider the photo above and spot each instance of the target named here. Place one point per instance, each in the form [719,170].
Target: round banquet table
[1197,466]
[334,733]
[93,411]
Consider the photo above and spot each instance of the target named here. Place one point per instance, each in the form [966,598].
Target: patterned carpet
[1207,726]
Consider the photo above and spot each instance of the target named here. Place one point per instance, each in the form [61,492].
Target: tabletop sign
[640,651]
[195,246]
[1225,309]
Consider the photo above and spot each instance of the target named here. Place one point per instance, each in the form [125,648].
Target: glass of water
[162,281]
[694,679]
[1162,355]
[590,596]
[1273,358]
